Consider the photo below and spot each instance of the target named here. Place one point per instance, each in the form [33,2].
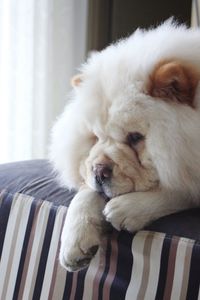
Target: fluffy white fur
[110,100]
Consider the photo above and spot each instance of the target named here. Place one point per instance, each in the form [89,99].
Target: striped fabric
[147,266]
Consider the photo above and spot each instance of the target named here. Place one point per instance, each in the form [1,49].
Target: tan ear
[76,80]
[174,81]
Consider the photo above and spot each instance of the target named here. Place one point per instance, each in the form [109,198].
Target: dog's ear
[76,80]
[174,81]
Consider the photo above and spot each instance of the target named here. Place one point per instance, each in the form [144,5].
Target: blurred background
[42,44]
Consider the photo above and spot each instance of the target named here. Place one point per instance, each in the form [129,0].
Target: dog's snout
[102,172]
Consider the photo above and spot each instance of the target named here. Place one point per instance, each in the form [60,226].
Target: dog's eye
[134,138]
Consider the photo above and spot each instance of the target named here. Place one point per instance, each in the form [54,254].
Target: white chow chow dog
[131,133]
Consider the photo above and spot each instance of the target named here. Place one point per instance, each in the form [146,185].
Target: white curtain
[42,42]
[195,18]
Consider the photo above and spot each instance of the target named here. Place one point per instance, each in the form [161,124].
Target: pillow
[148,264]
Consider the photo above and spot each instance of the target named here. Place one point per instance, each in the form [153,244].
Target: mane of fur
[176,154]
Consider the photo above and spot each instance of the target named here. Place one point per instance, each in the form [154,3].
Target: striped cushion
[147,265]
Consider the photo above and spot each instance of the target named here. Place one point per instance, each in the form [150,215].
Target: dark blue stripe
[163,268]
[68,286]
[24,248]
[194,276]
[4,216]
[80,284]
[44,254]
[106,269]
[124,266]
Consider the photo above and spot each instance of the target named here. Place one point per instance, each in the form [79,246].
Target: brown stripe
[74,286]
[146,266]
[53,278]
[56,262]
[28,253]
[186,270]
[171,267]
[100,270]
[113,267]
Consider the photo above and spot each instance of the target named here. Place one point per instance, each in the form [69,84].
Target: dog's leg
[82,230]
[135,210]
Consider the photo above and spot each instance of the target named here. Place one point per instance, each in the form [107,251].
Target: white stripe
[199,295]
[24,213]
[36,249]
[10,239]
[155,256]
[90,275]
[138,263]
[179,268]
[52,253]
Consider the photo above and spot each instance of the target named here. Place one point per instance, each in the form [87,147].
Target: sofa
[162,261]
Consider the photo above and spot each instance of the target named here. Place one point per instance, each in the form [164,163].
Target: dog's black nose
[102,173]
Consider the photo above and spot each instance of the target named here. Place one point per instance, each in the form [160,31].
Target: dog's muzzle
[102,174]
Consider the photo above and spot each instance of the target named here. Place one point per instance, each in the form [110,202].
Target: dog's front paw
[122,214]
[79,244]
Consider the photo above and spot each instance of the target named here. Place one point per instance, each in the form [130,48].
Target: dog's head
[133,122]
